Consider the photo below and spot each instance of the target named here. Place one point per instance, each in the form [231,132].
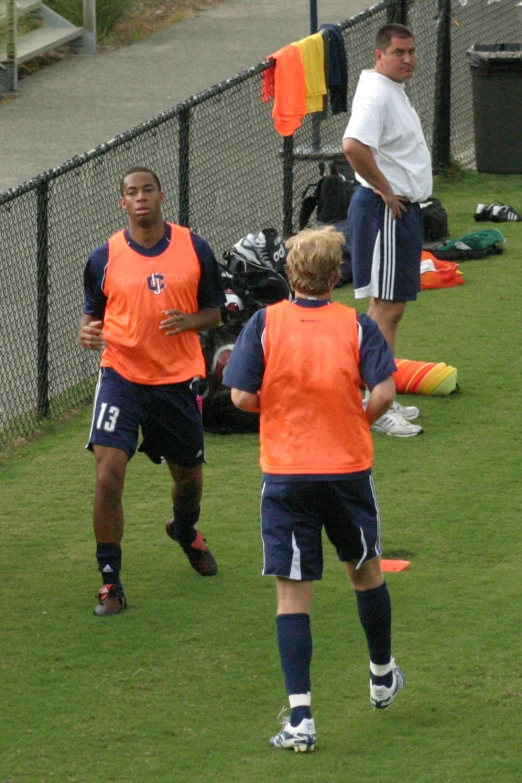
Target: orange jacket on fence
[286,84]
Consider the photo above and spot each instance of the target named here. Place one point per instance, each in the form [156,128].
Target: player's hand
[397,204]
[91,336]
[176,322]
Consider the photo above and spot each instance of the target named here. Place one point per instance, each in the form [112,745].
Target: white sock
[380,670]
[300,700]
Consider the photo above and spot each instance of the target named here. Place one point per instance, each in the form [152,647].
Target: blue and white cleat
[299,738]
[381,696]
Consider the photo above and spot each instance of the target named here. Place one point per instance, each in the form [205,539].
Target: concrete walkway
[71,107]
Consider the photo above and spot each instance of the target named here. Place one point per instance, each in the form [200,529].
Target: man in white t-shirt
[385,146]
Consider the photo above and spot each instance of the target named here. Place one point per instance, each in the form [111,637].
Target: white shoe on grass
[381,696]
[299,738]
[408,412]
[392,423]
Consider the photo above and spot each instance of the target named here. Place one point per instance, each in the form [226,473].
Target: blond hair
[314,258]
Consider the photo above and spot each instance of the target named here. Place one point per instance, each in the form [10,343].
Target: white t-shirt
[384,119]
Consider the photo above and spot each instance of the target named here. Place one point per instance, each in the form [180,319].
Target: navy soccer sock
[109,563]
[294,638]
[183,525]
[375,615]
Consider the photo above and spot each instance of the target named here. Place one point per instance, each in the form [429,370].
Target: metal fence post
[313,16]
[441,147]
[316,118]
[184,167]
[9,75]
[42,291]
[87,43]
[288,185]
[398,12]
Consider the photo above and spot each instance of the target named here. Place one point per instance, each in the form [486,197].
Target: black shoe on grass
[502,213]
[199,555]
[496,213]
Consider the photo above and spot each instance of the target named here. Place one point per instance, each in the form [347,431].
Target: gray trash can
[496,82]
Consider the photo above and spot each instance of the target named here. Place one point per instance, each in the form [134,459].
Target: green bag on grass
[478,244]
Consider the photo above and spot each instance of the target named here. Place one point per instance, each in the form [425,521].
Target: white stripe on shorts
[295,569]
[96,392]
[388,276]
[382,259]
[372,289]
[261,526]
[378,546]
[365,549]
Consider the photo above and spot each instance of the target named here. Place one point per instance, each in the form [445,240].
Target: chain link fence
[225,172]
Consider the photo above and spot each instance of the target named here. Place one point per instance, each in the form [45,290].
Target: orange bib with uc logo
[139,289]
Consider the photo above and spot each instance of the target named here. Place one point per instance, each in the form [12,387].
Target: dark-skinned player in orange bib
[149,291]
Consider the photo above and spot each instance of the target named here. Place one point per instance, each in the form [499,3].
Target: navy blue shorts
[293,515]
[168,415]
[386,252]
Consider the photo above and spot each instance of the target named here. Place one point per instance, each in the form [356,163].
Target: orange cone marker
[394,565]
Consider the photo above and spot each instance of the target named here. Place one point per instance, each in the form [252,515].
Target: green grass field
[185,686]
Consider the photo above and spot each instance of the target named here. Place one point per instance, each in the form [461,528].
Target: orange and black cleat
[199,555]
[111,600]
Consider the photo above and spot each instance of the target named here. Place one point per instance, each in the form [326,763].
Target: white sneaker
[381,696]
[299,738]
[392,423]
[409,412]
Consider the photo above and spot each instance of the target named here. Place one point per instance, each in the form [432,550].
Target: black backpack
[331,194]
[434,220]
[220,415]
[254,270]
[252,274]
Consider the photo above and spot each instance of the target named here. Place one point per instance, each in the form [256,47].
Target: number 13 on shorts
[107,417]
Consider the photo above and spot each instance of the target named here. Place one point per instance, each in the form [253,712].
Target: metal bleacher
[45,30]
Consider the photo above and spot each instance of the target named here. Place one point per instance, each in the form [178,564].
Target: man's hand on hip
[393,202]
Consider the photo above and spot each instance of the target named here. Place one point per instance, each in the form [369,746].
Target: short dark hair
[139,170]
[388,31]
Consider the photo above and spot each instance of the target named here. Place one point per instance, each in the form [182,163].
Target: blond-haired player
[301,364]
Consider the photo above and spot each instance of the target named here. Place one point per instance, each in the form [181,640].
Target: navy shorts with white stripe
[386,252]
[294,513]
